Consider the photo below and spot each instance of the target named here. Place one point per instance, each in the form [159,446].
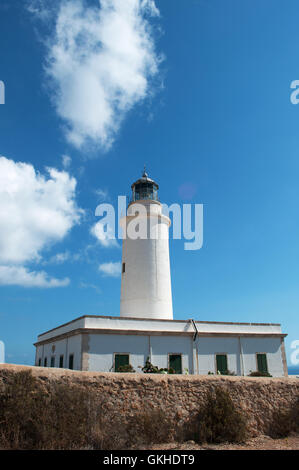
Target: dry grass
[51,414]
[218,420]
[32,417]
[285,422]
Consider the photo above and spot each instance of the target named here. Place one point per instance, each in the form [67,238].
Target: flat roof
[157,320]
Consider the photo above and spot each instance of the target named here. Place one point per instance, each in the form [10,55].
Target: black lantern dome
[145,188]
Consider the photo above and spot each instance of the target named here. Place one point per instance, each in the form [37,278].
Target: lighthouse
[145,329]
[145,278]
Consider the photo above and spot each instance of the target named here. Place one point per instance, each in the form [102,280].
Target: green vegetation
[126,368]
[258,373]
[149,368]
[227,372]
[219,420]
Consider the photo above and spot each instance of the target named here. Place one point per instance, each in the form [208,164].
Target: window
[175,363]
[124,268]
[261,359]
[61,361]
[221,363]
[39,362]
[71,361]
[53,361]
[45,362]
[121,360]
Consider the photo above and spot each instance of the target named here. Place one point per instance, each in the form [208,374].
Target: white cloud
[60,258]
[102,194]
[66,161]
[35,212]
[85,285]
[110,269]
[104,234]
[101,61]
[37,8]
[21,276]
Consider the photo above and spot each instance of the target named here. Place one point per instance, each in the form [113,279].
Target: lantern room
[144,188]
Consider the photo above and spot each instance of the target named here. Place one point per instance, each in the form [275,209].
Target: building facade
[101,343]
[145,329]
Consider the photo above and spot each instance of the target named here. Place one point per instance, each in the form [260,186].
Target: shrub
[280,425]
[295,414]
[21,403]
[34,418]
[228,372]
[126,368]
[257,373]
[284,422]
[108,430]
[68,418]
[149,368]
[52,415]
[55,415]
[150,426]
[218,420]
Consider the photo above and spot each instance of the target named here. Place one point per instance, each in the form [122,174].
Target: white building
[145,328]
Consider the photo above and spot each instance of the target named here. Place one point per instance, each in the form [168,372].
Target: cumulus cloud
[104,234]
[21,276]
[110,269]
[35,212]
[101,61]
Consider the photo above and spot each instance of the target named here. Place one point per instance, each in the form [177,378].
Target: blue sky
[210,111]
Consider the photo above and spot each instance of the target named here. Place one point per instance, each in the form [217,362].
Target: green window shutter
[221,363]
[121,360]
[175,363]
[262,363]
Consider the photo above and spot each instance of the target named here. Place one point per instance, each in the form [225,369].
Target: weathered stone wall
[179,395]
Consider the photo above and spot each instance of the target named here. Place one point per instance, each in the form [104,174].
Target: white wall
[65,347]
[163,345]
[208,347]
[241,365]
[103,346]
[271,346]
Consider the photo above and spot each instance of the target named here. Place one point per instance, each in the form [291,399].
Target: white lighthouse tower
[145,281]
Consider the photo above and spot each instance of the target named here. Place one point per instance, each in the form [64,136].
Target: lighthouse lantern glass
[147,190]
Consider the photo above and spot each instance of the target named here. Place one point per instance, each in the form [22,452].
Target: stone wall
[179,395]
